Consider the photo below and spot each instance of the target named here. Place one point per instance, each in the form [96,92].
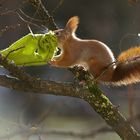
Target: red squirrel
[96,57]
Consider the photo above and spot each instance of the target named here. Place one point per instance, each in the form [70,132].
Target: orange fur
[128,67]
[72,23]
[96,57]
[129,54]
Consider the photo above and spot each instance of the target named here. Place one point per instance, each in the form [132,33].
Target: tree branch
[95,97]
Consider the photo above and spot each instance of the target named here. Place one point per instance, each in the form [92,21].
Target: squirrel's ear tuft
[72,24]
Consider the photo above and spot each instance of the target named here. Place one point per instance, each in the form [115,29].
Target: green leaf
[32,50]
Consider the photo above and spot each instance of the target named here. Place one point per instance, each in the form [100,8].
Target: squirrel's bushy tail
[127,67]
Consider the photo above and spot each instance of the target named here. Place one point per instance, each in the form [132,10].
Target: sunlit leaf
[32,50]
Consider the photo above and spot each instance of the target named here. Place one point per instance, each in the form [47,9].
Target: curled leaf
[32,50]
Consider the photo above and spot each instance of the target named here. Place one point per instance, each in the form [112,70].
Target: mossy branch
[93,95]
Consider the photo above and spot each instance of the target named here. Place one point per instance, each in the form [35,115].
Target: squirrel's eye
[57,33]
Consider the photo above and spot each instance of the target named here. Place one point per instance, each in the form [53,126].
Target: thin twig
[50,24]
[10,52]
